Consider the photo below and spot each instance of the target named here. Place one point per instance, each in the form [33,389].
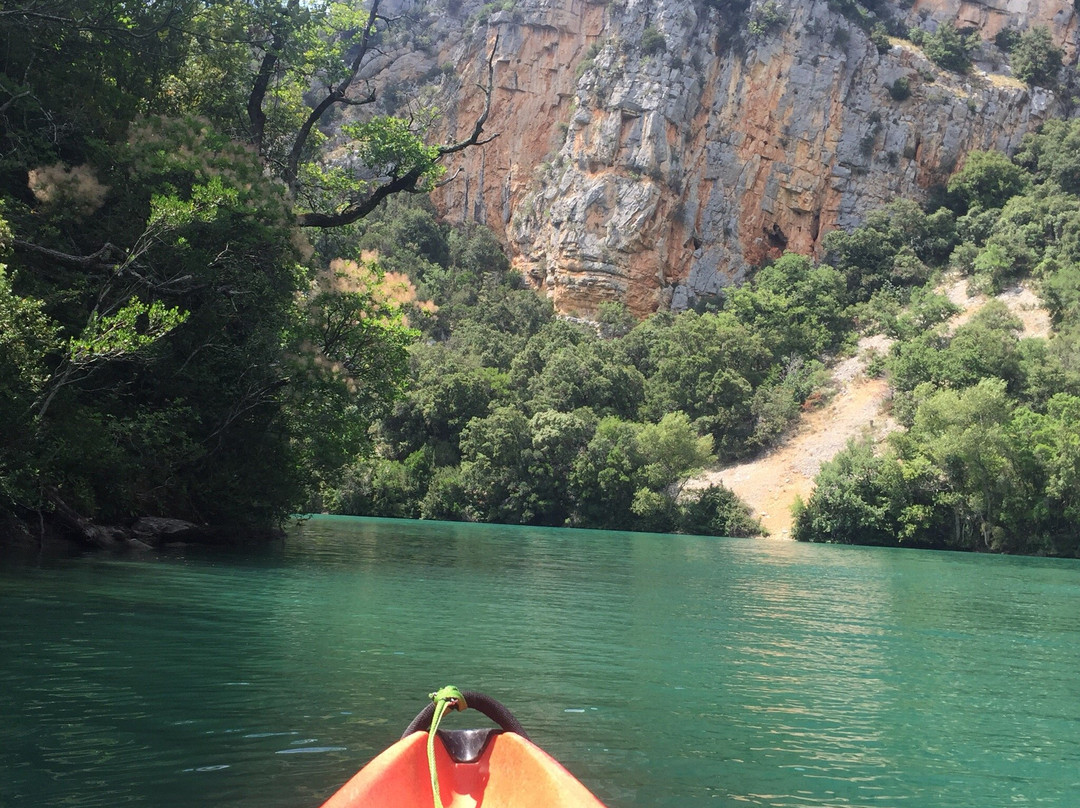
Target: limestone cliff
[652,151]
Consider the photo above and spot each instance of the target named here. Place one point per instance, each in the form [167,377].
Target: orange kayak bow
[476,768]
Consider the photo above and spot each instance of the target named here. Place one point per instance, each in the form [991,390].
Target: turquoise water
[661,670]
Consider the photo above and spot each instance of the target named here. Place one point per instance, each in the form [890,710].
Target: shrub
[879,35]
[588,60]
[716,511]
[765,18]
[900,90]
[1006,39]
[987,180]
[652,41]
[950,48]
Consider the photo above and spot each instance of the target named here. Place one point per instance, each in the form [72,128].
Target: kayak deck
[511,771]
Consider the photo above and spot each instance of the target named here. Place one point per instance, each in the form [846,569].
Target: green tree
[925,310]
[879,252]
[764,18]
[1054,440]
[716,511]
[115,60]
[1053,154]
[951,48]
[201,361]
[551,338]
[672,450]
[706,366]
[604,478]
[581,375]
[380,487]
[446,393]
[1035,59]
[27,336]
[798,307]
[446,497]
[627,477]
[493,459]
[988,179]
[557,440]
[965,435]
[286,68]
[851,501]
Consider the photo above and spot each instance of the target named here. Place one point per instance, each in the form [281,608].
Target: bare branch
[12,100]
[95,259]
[478,128]
[358,102]
[450,179]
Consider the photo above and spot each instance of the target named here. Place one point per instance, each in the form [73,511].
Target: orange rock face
[657,175]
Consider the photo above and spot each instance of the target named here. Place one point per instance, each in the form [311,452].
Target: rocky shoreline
[63,526]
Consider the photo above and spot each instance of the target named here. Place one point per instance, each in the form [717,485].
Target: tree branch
[335,96]
[95,259]
[478,127]
[356,211]
[408,182]
[256,115]
[78,25]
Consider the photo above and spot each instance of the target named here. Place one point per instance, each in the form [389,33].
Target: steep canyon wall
[652,151]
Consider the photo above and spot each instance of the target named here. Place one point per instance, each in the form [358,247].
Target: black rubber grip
[477,701]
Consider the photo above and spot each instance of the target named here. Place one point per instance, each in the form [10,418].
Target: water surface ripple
[662,670]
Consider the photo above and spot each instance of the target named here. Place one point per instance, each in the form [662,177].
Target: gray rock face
[653,151]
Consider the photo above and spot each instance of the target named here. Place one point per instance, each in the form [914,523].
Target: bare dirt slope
[769,484]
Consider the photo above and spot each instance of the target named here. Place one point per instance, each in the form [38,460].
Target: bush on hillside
[950,48]
[1035,60]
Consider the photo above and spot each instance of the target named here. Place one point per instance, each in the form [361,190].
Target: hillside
[771,483]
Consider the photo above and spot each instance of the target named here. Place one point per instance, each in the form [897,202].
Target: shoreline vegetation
[216,305]
[511,416]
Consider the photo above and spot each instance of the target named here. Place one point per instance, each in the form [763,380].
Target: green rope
[445,698]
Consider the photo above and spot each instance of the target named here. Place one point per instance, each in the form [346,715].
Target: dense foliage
[173,343]
[988,457]
[513,415]
[1035,59]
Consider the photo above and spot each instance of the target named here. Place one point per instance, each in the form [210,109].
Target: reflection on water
[664,671]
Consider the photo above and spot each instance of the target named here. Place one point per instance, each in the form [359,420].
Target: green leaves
[27,335]
[881,251]
[128,332]
[797,307]
[988,180]
[1053,154]
[166,344]
[389,147]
